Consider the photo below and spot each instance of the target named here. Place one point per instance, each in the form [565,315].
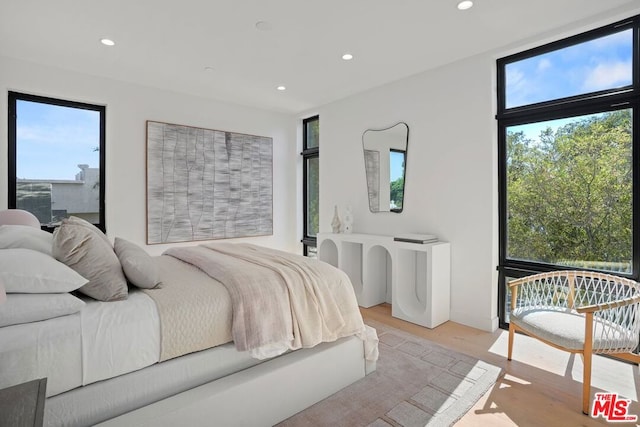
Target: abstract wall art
[207,184]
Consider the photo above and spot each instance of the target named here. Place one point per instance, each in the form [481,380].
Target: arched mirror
[385,159]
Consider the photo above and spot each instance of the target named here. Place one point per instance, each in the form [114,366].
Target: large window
[56,158]
[311,179]
[568,126]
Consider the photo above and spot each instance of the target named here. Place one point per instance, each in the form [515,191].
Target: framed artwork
[205,184]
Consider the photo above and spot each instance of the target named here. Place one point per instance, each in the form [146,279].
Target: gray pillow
[87,251]
[27,308]
[139,267]
[26,237]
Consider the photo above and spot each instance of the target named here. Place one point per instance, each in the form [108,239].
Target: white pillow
[27,308]
[26,237]
[32,272]
[139,267]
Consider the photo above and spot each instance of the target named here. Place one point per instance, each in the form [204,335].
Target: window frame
[627,97]
[13,98]
[307,154]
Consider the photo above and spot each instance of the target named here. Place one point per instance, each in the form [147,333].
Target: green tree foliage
[313,180]
[313,197]
[397,192]
[570,193]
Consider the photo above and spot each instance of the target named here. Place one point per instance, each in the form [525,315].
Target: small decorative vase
[347,221]
[335,222]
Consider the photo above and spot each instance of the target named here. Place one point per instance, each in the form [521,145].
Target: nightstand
[22,405]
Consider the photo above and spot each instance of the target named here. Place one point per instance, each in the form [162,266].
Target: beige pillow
[139,268]
[88,251]
[84,223]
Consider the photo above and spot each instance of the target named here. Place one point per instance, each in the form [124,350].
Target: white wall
[451,182]
[451,172]
[128,108]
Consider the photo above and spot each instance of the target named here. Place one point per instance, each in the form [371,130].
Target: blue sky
[397,164]
[532,131]
[599,64]
[52,140]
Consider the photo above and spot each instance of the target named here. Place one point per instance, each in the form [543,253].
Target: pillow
[89,253]
[84,223]
[25,236]
[139,267]
[27,308]
[32,272]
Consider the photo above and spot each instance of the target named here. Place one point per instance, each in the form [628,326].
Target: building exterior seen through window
[56,159]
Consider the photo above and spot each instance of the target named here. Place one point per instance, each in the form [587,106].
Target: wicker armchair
[579,312]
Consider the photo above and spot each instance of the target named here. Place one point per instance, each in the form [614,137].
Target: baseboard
[483,323]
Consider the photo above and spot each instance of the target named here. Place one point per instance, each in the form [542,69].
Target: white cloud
[607,76]
[544,64]
[519,90]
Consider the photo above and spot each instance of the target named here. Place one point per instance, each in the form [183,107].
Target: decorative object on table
[205,184]
[416,238]
[335,222]
[347,220]
[385,158]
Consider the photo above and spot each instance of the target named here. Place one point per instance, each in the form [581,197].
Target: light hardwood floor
[541,386]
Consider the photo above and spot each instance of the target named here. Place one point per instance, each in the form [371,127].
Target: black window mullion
[307,153]
[13,98]
[609,100]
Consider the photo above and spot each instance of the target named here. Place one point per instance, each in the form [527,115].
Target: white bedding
[82,348]
[51,349]
[112,329]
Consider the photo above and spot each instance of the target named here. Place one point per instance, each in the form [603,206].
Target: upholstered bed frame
[186,338]
[261,395]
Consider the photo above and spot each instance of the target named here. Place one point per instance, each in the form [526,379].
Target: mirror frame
[406,151]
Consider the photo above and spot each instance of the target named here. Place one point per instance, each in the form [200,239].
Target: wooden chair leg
[586,383]
[512,331]
[586,356]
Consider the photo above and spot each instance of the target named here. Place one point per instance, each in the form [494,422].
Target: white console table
[413,278]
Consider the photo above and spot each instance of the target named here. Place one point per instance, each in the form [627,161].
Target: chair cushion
[566,329]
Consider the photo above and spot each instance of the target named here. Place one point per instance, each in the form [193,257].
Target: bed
[124,338]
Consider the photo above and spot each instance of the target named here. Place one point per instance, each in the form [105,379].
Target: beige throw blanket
[281,301]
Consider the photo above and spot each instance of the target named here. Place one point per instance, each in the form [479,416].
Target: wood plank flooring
[541,386]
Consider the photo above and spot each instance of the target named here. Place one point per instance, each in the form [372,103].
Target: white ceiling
[168,43]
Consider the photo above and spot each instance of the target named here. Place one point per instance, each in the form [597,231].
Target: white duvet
[82,348]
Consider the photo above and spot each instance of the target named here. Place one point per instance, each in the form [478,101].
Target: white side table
[414,278]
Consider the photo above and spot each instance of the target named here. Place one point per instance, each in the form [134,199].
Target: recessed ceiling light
[347,57]
[263,26]
[107,42]
[208,69]
[464,5]
[281,88]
